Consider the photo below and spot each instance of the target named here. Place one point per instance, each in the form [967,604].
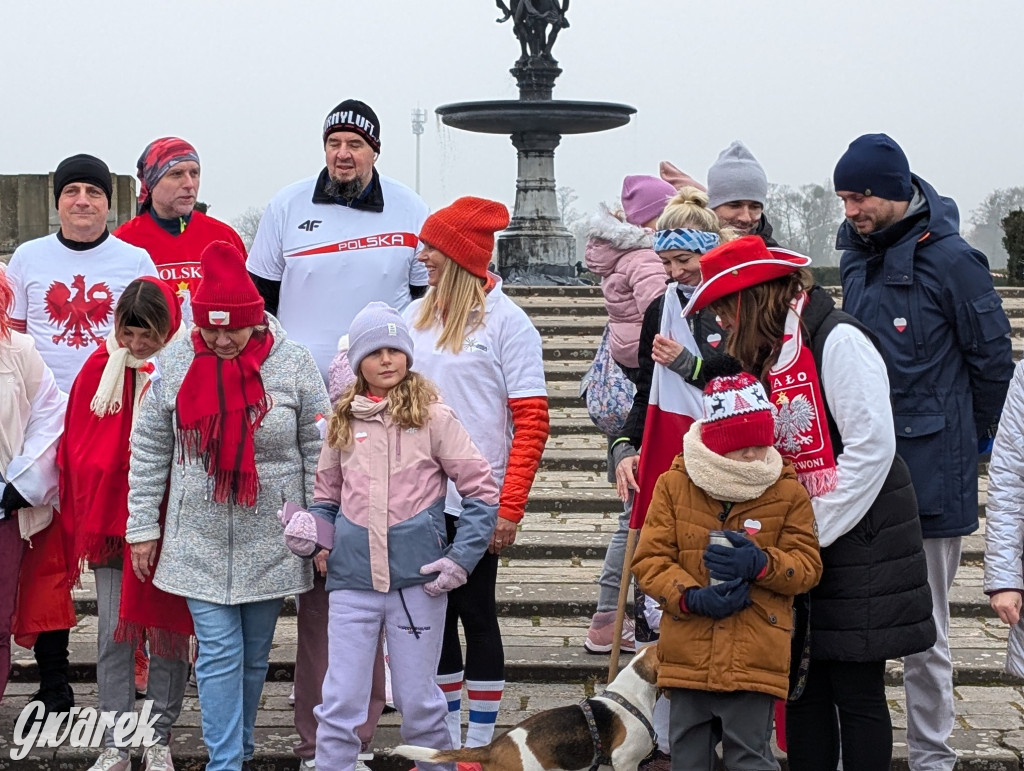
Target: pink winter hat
[644,198]
[678,178]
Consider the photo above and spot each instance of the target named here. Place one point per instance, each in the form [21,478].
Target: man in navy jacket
[927,295]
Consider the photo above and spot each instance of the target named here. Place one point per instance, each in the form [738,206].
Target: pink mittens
[451,576]
[304,533]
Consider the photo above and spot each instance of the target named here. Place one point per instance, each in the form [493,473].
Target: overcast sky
[249,84]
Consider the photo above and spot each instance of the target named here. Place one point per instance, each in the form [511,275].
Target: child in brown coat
[728,607]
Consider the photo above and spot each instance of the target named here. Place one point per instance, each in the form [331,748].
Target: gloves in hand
[719,600]
[12,500]
[745,559]
[684,364]
[304,533]
[451,576]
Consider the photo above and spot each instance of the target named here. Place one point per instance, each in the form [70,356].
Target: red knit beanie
[464,232]
[737,414]
[226,297]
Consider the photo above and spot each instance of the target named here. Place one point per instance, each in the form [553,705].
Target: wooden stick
[620,610]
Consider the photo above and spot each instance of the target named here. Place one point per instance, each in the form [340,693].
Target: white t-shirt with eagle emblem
[67,297]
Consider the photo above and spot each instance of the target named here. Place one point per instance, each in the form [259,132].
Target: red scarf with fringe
[220,405]
[801,423]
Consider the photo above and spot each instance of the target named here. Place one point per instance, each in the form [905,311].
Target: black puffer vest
[873,602]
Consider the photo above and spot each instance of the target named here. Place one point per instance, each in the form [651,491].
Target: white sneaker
[361,766]
[311,763]
[157,758]
[112,759]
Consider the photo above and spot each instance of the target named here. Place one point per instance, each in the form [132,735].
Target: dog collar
[601,757]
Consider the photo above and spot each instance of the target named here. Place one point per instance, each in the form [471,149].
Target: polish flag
[674,405]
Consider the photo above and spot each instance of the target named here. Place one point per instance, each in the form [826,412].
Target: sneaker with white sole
[602,627]
[361,766]
[112,759]
[157,758]
[308,764]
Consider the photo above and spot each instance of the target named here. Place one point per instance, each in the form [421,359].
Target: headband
[699,241]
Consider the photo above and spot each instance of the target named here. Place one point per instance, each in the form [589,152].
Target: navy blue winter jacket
[928,297]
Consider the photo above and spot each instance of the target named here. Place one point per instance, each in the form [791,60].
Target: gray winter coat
[222,552]
[1004,512]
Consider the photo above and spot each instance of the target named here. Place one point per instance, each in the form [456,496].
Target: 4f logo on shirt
[310,225]
[78,311]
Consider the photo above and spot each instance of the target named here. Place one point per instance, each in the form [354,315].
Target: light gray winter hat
[736,176]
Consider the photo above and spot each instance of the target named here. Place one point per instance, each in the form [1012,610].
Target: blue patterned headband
[699,241]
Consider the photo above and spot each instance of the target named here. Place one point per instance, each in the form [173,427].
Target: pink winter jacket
[385,495]
[632,277]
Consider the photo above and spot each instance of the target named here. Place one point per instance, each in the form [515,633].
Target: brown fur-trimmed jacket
[749,650]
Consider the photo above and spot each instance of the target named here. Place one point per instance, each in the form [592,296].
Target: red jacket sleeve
[530,427]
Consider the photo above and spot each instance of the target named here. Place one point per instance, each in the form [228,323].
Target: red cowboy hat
[739,264]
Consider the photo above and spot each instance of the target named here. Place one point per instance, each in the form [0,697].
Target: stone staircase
[547,592]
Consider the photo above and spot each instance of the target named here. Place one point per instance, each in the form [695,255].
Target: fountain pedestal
[536,242]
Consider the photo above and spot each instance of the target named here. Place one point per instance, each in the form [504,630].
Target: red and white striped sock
[484,700]
[452,687]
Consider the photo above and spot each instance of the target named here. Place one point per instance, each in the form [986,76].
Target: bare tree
[806,219]
[246,224]
[985,225]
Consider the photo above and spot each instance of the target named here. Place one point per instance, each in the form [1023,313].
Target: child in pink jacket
[377,524]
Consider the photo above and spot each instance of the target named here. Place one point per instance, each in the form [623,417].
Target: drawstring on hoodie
[412,625]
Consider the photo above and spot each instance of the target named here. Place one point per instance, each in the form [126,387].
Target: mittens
[744,559]
[305,533]
[451,575]
[719,600]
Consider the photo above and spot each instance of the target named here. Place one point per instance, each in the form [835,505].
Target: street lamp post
[419,118]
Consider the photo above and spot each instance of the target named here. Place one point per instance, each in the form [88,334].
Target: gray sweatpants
[747,720]
[611,571]
[115,665]
[928,676]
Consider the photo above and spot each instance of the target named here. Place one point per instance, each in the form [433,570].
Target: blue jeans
[234,655]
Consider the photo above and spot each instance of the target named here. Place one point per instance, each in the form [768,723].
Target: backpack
[608,392]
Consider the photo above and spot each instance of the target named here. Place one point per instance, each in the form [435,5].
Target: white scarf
[725,479]
[107,399]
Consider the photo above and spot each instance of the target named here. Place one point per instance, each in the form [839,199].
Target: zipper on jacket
[231,548]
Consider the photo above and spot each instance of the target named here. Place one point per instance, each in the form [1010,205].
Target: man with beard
[326,246]
[329,244]
[737,191]
[927,295]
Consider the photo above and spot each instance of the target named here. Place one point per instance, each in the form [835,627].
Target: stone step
[563,306]
[549,649]
[559,587]
[989,733]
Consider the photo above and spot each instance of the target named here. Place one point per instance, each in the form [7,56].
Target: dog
[561,739]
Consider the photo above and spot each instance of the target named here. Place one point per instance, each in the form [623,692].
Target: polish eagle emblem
[792,420]
[78,311]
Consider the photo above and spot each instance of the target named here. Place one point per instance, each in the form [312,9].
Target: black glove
[684,364]
[744,559]
[720,600]
[12,500]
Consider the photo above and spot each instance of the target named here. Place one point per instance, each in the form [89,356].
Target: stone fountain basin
[508,116]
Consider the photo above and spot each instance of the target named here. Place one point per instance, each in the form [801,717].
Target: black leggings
[473,604]
[813,730]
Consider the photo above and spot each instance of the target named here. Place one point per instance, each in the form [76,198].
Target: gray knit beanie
[377,326]
[736,176]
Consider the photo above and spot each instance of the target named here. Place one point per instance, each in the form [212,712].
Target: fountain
[536,242]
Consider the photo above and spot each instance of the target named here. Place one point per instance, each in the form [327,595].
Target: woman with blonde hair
[485,356]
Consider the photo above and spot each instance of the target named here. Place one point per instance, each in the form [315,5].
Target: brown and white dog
[559,739]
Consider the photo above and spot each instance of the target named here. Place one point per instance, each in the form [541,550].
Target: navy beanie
[874,165]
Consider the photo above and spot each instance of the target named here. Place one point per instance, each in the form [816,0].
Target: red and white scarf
[673,406]
[801,422]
